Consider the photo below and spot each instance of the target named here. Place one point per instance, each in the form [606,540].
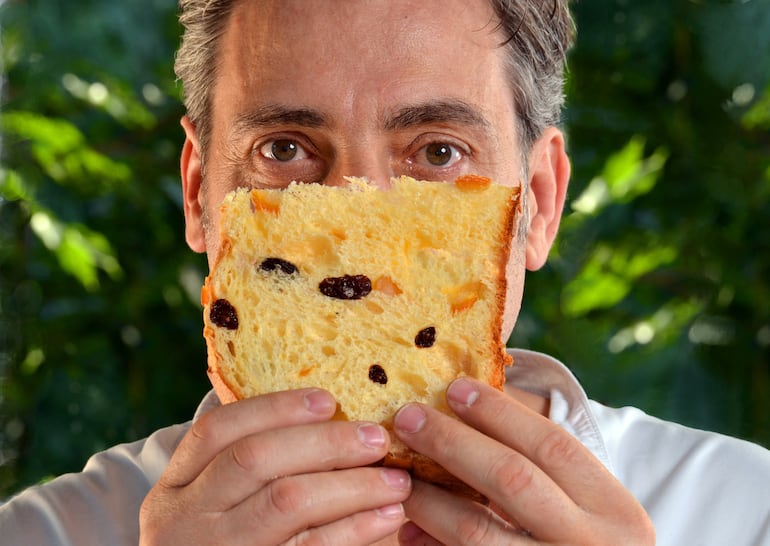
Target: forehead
[352,58]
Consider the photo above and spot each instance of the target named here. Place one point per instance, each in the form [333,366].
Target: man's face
[313,90]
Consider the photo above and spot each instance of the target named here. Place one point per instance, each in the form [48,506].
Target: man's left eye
[283,150]
[439,154]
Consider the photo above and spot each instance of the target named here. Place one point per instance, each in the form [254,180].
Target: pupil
[284,150]
[439,154]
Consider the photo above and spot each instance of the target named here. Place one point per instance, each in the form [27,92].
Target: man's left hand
[544,486]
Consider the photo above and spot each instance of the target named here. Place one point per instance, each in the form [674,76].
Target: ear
[549,172]
[190,165]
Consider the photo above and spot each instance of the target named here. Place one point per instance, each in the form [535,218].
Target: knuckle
[512,474]
[648,537]
[644,530]
[287,496]
[442,442]
[557,449]
[149,526]
[474,530]
[247,456]
[204,429]
[620,517]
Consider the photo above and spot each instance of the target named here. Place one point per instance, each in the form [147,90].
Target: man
[314,90]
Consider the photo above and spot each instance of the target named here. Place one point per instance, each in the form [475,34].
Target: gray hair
[204,22]
[537,35]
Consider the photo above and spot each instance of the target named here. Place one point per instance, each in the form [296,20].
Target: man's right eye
[283,150]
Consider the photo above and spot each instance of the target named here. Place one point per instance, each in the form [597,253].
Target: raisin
[222,313]
[426,337]
[277,264]
[377,374]
[347,287]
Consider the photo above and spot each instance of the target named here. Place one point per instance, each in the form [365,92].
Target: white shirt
[699,488]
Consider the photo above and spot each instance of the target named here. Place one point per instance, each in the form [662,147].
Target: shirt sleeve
[700,488]
[99,505]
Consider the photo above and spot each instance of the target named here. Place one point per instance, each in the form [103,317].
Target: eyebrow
[451,111]
[446,111]
[275,114]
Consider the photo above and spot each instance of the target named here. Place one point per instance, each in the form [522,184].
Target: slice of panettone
[382,297]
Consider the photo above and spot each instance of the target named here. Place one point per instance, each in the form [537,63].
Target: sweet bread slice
[383,297]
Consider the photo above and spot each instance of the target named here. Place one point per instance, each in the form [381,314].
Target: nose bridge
[363,157]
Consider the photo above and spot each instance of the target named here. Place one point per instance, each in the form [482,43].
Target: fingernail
[391,511]
[396,479]
[462,392]
[410,419]
[318,401]
[371,435]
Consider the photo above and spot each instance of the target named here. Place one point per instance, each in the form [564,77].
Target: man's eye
[283,150]
[441,154]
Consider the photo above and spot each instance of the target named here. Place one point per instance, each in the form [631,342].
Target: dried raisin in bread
[383,297]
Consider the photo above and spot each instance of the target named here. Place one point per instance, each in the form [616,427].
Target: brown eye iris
[284,150]
[439,154]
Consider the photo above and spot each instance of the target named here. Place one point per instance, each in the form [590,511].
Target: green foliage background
[656,294]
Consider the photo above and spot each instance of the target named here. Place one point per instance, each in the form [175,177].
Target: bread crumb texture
[383,297]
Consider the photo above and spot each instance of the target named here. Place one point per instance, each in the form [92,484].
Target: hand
[545,487]
[264,471]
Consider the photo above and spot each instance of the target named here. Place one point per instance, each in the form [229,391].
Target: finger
[251,462]
[524,492]
[219,428]
[288,506]
[444,518]
[411,534]
[549,446]
[359,529]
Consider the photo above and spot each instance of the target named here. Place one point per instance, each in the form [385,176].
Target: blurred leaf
[81,251]
[593,290]
[12,186]
[758,116]
[114,98]
[609,275]
[62,151]
[627,174]
[35,357]
[95,350]
[656,328]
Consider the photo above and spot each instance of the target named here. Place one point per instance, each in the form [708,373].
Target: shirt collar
[209,402]
[569,406]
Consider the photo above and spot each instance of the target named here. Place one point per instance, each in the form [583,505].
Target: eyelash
[420,157]
[262,148]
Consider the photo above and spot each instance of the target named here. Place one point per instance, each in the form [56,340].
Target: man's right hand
[276,469]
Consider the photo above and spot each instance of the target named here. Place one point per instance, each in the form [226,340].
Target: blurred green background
[657,293]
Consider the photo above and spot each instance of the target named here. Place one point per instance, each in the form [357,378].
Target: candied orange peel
[386,285]
[472,182]
[260,201]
